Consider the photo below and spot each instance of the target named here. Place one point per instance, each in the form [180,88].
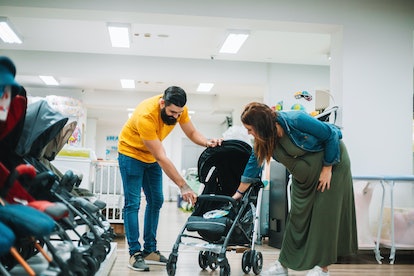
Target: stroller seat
[212,224]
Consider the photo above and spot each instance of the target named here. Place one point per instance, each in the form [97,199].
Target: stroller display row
[39,208]
[219,223]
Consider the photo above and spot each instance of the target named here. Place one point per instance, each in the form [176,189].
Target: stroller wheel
[246,264]
[107,245]
[212,260]
[225,270]
[91,265]
[257,262]
[171,265]
[80,270]
[77,264]
[98,251]
[202,259]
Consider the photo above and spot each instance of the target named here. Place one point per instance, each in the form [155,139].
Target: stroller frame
[212,252]
[93,246]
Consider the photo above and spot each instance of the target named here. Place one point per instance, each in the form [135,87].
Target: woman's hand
[325,179]
[241,190]
[237,196]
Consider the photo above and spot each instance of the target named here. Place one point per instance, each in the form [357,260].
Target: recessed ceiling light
[127,83]
[49,80]
[234,41]
[205,87]
[119,34]
[7,34]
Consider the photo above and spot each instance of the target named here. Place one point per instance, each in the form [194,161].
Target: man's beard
[168,120]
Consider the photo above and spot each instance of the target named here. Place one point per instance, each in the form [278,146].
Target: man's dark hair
[175,95]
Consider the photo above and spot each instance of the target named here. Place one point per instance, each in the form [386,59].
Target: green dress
[320,226]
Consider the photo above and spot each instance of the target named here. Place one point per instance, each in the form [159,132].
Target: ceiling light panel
[7,34]
[234,41]
[49,80]
[127,83]
[205,87]
[119,34]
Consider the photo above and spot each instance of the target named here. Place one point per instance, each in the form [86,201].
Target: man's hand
[188,194]
[211,143]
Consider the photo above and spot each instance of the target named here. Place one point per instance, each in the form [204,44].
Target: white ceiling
[69,40]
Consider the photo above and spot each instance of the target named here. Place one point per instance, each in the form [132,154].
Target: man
[142,159]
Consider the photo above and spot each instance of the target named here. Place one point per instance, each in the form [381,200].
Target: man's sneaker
[317,271]
[136,262]
[276,269]
[155,258]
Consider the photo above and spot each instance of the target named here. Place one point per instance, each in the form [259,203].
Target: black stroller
[41,126]
[219,223]
[15,176]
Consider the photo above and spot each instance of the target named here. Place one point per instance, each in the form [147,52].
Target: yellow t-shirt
[145,123]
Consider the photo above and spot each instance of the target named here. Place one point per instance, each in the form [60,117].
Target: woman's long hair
[263,121]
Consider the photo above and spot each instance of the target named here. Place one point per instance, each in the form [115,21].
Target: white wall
[371,72]
[90,134]
[286,79]
[101,133]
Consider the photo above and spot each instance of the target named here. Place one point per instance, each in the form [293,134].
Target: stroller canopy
[57,143]
[220,168]
[41,125]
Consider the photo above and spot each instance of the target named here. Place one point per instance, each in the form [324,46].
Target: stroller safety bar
[217,198]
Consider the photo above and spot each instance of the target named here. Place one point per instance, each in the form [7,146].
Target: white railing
[107,186]
[389,180]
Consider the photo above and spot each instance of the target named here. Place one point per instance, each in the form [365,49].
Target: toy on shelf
[298,107]
[303,94]
[278,106]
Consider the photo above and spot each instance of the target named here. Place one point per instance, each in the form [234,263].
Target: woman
[321,225]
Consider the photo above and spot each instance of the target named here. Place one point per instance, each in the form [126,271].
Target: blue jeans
[137,175]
